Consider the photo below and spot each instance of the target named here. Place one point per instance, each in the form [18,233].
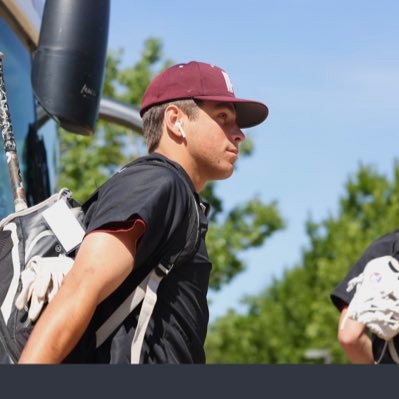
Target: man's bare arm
[103,262]
[354,340]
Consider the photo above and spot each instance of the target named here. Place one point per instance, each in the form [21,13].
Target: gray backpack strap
[392,351]
[146,292]
[120,314]
[384,349]
[390,345]
[150,299]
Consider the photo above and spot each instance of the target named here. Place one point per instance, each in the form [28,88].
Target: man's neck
[186,165]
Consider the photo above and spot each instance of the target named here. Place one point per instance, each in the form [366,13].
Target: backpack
[37,250]
[376,301]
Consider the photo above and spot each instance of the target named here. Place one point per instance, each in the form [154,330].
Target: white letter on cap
[228,82]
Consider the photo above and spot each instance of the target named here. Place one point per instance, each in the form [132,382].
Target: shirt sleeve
[383,246]
[150,193]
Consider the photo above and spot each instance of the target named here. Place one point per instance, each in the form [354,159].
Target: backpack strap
[120,314]
[150,299]
[146,291]
[392,351]
[390,345]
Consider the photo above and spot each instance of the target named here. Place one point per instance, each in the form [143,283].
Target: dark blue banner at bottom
[194,381]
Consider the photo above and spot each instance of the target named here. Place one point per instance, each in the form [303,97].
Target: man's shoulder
[385,245]
[154,169]
[144,174]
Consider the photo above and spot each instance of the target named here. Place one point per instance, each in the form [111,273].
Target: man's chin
[224,174]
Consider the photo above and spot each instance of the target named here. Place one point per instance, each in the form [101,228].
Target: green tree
[86,162]
[295,314]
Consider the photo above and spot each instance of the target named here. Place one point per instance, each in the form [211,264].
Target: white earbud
[181,130]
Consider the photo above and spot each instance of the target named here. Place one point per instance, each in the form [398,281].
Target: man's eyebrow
[221,105]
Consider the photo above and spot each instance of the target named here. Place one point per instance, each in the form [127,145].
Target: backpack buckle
[162,270]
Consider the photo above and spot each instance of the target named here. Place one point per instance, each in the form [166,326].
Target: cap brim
[249,113]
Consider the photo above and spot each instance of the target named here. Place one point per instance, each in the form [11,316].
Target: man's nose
[238,135]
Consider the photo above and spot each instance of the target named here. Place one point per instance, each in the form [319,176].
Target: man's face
[214,140]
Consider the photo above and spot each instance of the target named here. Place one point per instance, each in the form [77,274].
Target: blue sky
[329,73]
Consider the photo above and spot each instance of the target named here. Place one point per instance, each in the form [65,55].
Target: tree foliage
[295,314]
[86,162]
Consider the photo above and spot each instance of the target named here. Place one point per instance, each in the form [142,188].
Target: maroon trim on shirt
[121,227]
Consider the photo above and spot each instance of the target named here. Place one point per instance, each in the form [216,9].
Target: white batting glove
[41,280]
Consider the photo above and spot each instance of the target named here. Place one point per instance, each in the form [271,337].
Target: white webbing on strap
[41,235]
[146,292]
[147,308]
[392,351]
[120,314]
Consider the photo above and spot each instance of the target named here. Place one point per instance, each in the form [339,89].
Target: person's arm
[354,340]
[104,260]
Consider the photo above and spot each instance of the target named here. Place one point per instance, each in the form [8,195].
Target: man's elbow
[348,339]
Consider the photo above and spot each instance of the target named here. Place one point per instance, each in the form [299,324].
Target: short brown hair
[153,119]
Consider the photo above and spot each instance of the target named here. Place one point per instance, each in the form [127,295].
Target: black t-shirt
[387,245]
[178,326]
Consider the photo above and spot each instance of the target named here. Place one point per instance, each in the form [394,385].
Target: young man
[192,120]
[377,270]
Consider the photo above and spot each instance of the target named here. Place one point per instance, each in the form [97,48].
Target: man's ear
[173,121]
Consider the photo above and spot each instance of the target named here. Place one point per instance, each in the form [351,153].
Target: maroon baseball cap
[201,81]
